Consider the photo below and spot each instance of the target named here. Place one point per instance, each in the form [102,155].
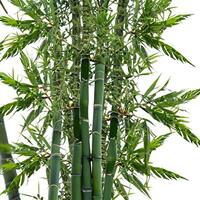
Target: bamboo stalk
[55,156]
[110,169]
[76,177]
[84,99]
[76,124]
[97,128]
[5,157]
[77,158]
[76,171]
[111,157]
[120,18]
[56,105]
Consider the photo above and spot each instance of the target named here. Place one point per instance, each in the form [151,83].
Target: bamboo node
[88,157]
[99,79]
[98,105]
[109,174]
[76,175]
[96,132]
[87,190]
[85,120]
[55,154]
[97,157]
[57,145]
[53,185]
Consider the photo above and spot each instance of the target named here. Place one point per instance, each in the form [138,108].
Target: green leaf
[6,148]
[151,87]
[158,44]
[157,26]
[19,104]
[175,20]
[47,121]
[131,178]
[32,116]
[166,174]
[8,108]
[147,150]
[8,166]
[134,135]
[120,188]
[187,134]
[171,120]
[21,24]
[176,98]
[15,44]
[144,152]
[30,8]
[189,95]
[36,135]
[158,141]
[22,88]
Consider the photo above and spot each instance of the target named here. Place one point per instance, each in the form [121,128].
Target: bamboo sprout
[97,127]
[84,98]
[8,175]
[111,157]
[55,156]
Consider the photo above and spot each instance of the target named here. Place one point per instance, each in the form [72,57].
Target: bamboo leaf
[158,141]
[120,188]
[32,116]
[158,44]
[152,87]
[177,97]
[21,24]
[166,174]
[189,95]
[187,134]
[135,181]
[8,108]
[18,86]
[31,70]
[175,20]
[171,120]
[147,151]
[8,166]
[30,8]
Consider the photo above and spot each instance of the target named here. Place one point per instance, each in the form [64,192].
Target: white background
[176,154]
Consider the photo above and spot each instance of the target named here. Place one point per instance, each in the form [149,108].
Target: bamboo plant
[80,50]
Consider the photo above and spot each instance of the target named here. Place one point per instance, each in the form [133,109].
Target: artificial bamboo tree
[78,44]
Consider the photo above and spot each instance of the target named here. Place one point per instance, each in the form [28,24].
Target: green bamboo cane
[76,175]
[76,171]
[96,132]
[5,157]
[77,158]
[111,157]
[84,99]
[112,148]
[55,156]
[56,105]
